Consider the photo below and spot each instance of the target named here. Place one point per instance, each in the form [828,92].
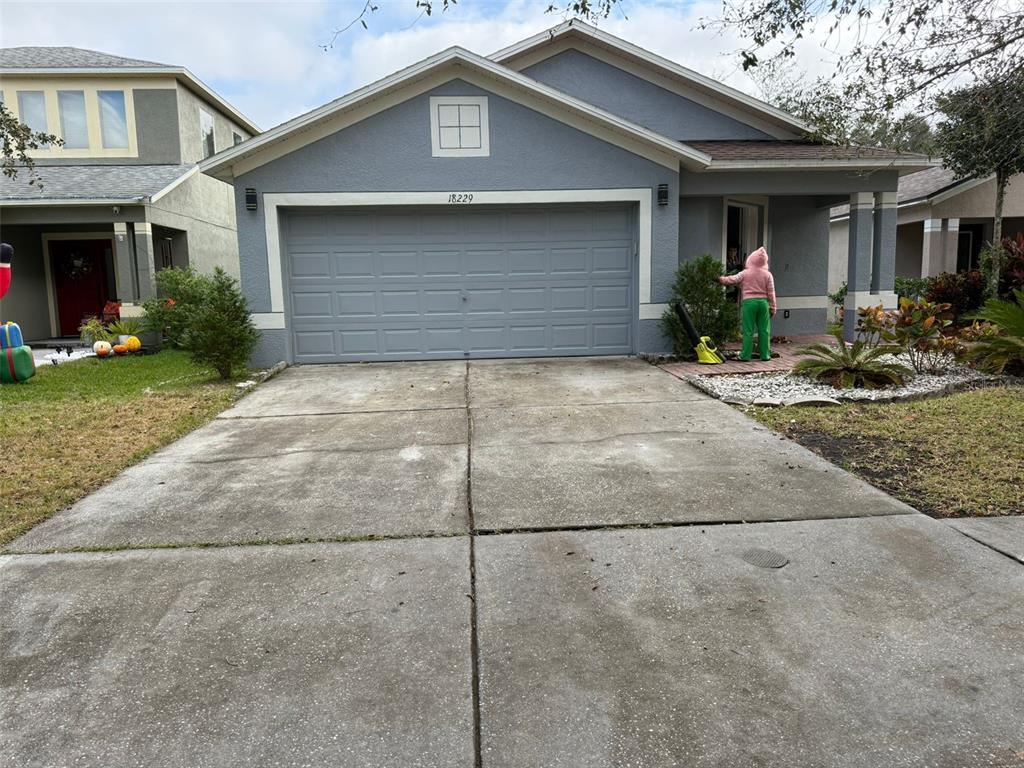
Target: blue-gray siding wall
[798,251]
[700,227]
[792,182]
[391,152]
[636,99]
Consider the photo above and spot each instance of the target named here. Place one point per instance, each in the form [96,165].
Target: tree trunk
[995,270]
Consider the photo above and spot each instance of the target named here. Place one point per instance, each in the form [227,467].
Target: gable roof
[43,57]
[574,28]
[67,61]
[92,184]
[461,63]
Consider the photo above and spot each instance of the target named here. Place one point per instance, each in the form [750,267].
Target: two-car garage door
[459,282]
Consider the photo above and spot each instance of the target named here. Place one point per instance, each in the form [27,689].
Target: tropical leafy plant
[963,291]
[126,326]
[696,287]
[857,365]
[872,324]
[1003,353]
[917,331]
[93,329]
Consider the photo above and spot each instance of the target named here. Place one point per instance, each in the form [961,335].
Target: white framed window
[32,110]
[113,119]
[236,138]
[206,133]
[73,126]
[459,126]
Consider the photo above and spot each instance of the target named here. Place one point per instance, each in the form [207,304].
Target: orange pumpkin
[120,349]
[103,351]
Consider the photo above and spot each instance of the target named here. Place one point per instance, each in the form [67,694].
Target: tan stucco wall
[838,252]
[191,140]
[205,207]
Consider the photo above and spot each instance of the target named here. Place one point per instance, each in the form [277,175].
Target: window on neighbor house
[113,119]
[32,110]
[236,138]
[459,126]
[206,133]
[73,126]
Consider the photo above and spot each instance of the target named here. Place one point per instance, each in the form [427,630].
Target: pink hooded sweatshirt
[755,281]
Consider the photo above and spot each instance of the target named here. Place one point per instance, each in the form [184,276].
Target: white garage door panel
[486,282]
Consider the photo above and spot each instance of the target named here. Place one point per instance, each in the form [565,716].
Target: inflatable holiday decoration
[16,361]
[6,254]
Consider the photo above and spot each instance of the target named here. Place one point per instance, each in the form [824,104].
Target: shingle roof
[925,183]
[91,182]
[65,57]
[794,150]
[915,186]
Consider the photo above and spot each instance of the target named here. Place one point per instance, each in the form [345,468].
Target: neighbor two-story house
[122,197]
[537,202]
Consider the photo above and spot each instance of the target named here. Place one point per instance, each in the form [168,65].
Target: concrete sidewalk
[516,563]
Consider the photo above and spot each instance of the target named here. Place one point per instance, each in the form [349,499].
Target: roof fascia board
[174,184]
[25,202]
[772,115]
[959,188]
[180,73]
[846,165]
[428,74]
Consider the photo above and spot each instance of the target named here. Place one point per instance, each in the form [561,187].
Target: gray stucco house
[123,197]
[537,202]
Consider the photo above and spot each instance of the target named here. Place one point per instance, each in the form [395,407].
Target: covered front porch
[71,261]
[785,206]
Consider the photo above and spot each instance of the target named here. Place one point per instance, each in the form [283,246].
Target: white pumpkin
[101,348]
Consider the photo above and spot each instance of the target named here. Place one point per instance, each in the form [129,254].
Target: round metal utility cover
[765,558]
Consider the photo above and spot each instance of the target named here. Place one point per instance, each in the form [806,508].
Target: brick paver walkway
[787,357]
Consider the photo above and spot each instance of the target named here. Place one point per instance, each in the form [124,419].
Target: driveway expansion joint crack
[474,638]
[993,547]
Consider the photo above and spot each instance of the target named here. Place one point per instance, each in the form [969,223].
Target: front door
[80,281]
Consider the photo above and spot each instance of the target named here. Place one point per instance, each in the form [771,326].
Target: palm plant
[857,365]
[1005,352]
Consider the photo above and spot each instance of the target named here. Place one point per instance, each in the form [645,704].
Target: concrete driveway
[515,563]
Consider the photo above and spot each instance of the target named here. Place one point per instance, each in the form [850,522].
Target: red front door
[80,280]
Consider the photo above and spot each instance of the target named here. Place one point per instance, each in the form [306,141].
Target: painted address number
[460,197]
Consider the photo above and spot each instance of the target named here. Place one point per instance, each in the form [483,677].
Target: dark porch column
[883,251]
[144,260]
[858,264]
[124,275]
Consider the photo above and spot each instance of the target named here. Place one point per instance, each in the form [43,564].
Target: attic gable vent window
[459,126]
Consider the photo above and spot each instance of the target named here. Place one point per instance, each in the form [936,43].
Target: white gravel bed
[785,387]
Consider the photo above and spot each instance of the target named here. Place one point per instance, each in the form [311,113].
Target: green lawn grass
[73,427]
[948,456]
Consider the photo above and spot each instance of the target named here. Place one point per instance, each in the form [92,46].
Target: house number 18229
[460,197]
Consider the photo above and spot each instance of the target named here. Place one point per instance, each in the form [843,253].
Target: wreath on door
[76,267]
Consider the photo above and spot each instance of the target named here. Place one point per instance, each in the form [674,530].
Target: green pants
[755,317]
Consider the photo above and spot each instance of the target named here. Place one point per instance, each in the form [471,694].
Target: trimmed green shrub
[844,367]
[910,287]
[221,333]
[963,291]
[696,287]
[208,316]
[181,292]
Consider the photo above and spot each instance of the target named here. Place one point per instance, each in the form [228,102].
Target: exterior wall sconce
[663,194]
[250,199]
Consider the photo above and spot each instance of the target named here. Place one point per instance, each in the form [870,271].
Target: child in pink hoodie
[757,295]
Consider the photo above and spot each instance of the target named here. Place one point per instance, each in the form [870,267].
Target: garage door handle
[465,296]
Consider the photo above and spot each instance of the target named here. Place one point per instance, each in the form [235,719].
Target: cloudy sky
[265,57]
